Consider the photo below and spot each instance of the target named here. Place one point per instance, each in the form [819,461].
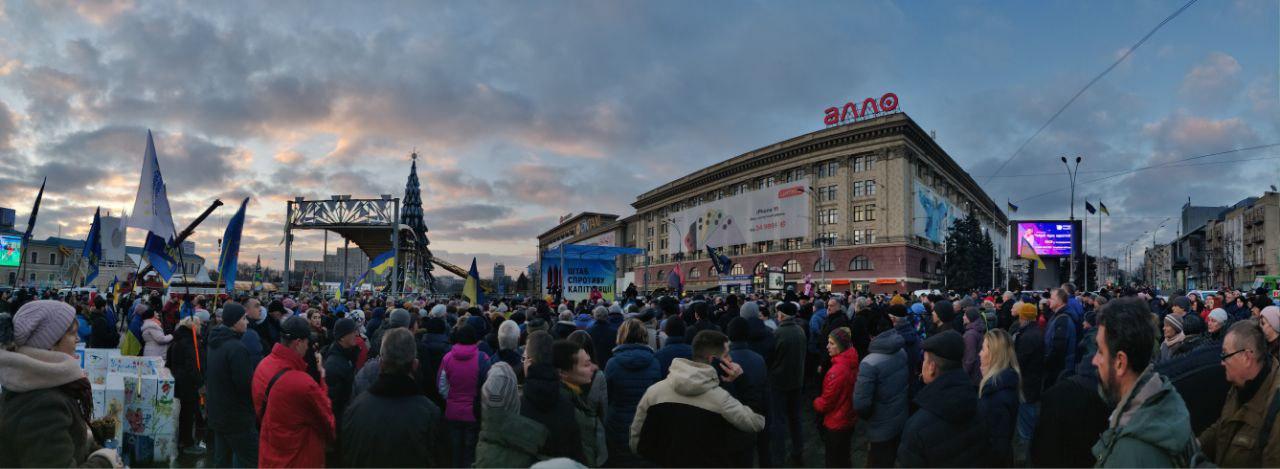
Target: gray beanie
[42,323]
[499,390]
[400,318]
[749,310]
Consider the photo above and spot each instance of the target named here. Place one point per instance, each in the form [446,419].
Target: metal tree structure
[419,268]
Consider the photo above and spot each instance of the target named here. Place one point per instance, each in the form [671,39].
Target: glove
[110,455]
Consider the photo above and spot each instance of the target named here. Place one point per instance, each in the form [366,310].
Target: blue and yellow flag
[471,290]
[1025,251]
[380,264]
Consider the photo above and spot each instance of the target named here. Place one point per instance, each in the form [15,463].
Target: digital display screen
[10,250]
[1046,238]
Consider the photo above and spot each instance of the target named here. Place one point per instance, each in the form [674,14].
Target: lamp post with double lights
[1071,173]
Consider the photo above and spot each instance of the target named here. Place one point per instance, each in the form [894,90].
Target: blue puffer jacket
[999,402]
[677,347]
[878,395]
[629,374]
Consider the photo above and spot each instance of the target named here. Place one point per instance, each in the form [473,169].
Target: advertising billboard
[10,250]
[933,214]
[1046,238]
[580,277]
[767,214]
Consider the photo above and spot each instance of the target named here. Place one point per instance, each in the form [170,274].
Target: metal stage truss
[370,224]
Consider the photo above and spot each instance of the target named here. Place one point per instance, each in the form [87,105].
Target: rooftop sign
[853,111]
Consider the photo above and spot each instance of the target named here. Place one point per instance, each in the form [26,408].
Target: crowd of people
[1117,378]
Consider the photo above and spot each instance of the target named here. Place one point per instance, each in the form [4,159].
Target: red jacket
[298,424]
[836,402]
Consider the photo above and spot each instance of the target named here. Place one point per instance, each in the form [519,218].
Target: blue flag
[157,252]
[93,248]
[231,248]
[151,213]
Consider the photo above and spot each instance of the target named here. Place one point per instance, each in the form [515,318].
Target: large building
[874,196]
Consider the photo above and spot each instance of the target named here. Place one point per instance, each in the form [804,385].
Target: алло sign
[852,111]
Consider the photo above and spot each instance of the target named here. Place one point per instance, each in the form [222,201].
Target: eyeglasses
[1225,356]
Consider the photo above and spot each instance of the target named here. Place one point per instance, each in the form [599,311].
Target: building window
[858,213]
[53,259]
[661,277]
[34,259]
[828,169]
[737,270]
[791,244]
[794,174]
[858,188]
[711,271]
[924,265]
[869,236]
[792,266]
[695,272]
[824,265]
[826,238]
[768,181]
[869,212]
[761,268]
[737,249]
[857,237]
[827,193]
[860,263]
[871,187]
[828,217]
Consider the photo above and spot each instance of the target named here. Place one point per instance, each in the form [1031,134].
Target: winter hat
[788,309]
[898,310]
[439,311]
[1173,320]
[399,318]
[917,308]
[749,310]
[537,324]
[971,313]
[1026,311]
[343,327]
[479,325]
[1272,315]
[203,315]
[583,321]
[465,335]
[1193,325]
[738,330]
[500,389]
[231,313]
[944,311]
[615,309]
[898,300]
[436,325]
[843,340]
[294,328]
[275,306]
[1181,302]
[948,345]
[1218,314]
[42,323]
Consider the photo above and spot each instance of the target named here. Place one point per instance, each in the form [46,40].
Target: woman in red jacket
[836,402]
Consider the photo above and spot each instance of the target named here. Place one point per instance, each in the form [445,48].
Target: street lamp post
[1153,250]
[822,242]
[1071,173]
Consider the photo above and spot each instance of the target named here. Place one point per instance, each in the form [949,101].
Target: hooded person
[47,404]
[880,394]
[507,438]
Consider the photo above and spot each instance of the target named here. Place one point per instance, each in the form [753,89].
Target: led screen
[1046,238]
[10,250]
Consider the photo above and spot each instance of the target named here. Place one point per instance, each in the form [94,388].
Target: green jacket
[43,428]
[508,440]
[589,424]
[1149,428]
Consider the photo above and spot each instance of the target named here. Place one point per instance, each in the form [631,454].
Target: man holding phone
[678,415]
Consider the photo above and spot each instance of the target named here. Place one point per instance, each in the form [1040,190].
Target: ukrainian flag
[1025,251]
[471,290]
[380,264]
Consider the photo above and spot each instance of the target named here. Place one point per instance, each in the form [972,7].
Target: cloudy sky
[524,111]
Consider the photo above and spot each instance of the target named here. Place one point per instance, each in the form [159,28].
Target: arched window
[824,265]
[737,270]
[860,263]
[937,267]
[695,272]
[924,265]
[761,268]
[711,271]
[661,278]
[792,266]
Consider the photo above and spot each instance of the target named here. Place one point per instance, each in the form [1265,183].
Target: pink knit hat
[41,324]
[1272,315]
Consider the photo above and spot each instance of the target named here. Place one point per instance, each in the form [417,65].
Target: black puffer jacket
[228,382]
[340,377]
[1028,344]
[1200,378]
[543,402]
[948,430]
[392,425]
[181,358]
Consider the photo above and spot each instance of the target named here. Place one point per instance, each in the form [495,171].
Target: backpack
[989,319]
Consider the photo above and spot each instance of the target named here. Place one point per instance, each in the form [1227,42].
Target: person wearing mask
[1150,426]
[577,373]
[47,403]
[630,372]
[544,403]
[974,328]
[228,382]
[880,393]
[103,332]
[752,388]
[1251,407]
[507,438]
[155,341]
[185,358]
[292,404]
[786,381]
[393,424]
[340,371]
[459,380]
[999,392]
[687,419]
[835,404]
[1059,339]
[948,430]
[676,345]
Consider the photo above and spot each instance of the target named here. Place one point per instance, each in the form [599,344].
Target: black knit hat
[231,313]
[948,345]
[946,313]
[343,327]
[294,328]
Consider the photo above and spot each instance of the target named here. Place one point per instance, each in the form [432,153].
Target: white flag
[151,208]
